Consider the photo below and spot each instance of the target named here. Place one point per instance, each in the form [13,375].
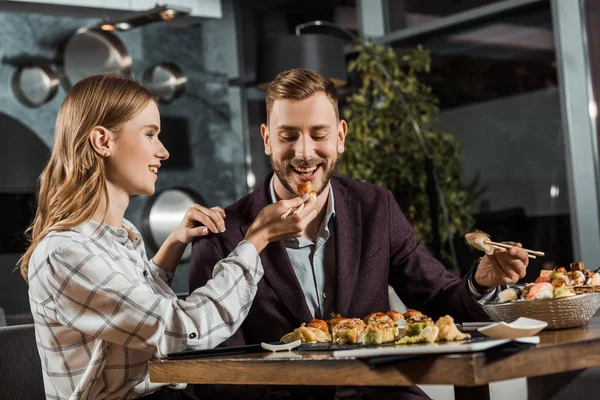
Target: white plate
[521,327]
[431,348]
[281,347]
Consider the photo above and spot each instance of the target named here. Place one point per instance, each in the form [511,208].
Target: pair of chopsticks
[293,210]
[504,246]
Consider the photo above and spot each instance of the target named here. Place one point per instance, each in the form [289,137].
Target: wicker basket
[565,312]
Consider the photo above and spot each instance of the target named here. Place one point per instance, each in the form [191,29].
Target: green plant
[383,148]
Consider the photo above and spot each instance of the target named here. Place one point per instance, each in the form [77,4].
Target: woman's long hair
[73,182]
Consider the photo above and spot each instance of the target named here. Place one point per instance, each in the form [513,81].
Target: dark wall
[206,154]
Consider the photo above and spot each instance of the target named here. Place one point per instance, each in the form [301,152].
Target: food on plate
[478,239]
[348,331]
[319,324]
[380,328]
[415,316]
[419,328]
[448,330]
[307,334]
[395,315]
[334,320]
[422,329]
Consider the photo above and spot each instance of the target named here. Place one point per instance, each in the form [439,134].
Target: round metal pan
[91,51]
[163,212]
[34,85]
[166,79]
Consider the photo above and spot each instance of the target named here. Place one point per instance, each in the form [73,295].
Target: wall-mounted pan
[91,51]
[163,212]
[34,85]
[166,79]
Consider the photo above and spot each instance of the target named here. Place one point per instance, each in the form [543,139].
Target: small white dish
[281,347]
[521,327]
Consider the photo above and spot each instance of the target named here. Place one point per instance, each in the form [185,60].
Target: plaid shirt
[102,310]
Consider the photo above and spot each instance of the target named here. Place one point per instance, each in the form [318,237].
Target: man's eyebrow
[287,128]
[294,128]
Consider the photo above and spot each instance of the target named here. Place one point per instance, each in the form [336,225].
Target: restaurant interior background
[516,80]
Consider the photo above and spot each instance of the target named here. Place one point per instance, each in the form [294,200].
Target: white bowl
[521,327]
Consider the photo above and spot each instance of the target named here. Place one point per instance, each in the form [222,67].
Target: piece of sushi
[542,290]
[510,294]
[477,240]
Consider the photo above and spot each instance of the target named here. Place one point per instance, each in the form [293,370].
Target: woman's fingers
[194,214]
[219,210]
[199,231]
[310,209]
[293,203]
[215,217]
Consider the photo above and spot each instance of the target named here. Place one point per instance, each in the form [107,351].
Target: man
[358,244]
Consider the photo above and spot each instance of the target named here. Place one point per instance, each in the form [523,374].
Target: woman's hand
[169,254]
[199,221]
[269,226]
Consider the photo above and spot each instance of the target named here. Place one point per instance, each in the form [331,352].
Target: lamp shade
[321,53]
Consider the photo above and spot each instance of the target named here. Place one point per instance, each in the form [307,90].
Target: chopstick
[508,246]
[503,248]
[299,209]
[287,213]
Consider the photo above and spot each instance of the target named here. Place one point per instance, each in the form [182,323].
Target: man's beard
[280,168]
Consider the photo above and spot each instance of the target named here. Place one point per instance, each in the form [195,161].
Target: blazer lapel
[347,245]
[276,263]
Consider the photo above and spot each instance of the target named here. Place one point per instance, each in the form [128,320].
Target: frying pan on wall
[91,51]
[34,85]
[166,79]
[163,212]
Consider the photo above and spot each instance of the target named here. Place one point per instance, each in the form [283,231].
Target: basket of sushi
[564,299]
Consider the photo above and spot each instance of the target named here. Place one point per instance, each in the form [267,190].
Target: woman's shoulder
[55,241]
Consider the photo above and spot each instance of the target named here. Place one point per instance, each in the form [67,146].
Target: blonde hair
[73,182]
[299,84]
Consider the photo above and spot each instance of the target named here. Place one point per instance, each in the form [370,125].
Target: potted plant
[383,147]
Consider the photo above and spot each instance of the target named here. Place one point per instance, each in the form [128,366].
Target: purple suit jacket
[375,245]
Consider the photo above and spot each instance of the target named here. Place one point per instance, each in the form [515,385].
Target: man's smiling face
[303,140]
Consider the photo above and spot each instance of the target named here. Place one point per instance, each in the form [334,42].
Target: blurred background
[514,83]
[509,86]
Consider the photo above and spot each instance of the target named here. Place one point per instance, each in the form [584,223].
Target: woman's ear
[100,139]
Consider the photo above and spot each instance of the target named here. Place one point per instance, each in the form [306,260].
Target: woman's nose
[162,153]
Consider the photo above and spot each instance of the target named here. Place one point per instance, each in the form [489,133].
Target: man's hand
[503,267]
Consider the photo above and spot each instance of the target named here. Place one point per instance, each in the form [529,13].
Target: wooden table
[559,351]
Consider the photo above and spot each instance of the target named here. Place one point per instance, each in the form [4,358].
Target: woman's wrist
[258,238]
[173,243]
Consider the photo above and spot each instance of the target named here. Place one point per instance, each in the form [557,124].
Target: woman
[101,309]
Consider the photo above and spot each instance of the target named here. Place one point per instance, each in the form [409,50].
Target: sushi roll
[543,290]
[510,294]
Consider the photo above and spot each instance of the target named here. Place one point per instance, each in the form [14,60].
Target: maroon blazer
[375,245]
